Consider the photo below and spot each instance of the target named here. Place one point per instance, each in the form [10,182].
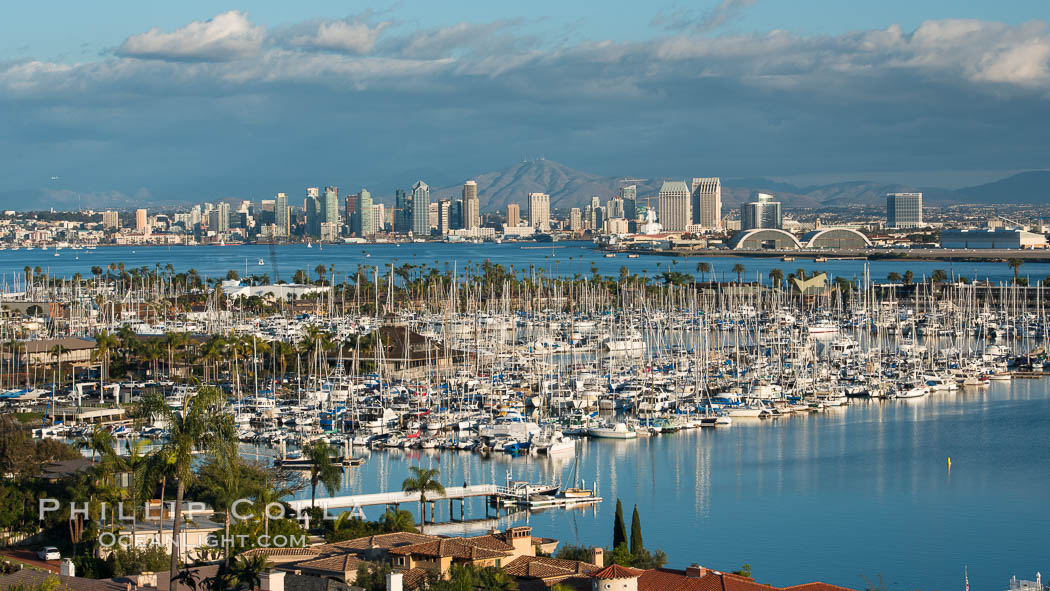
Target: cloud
[228,36]
[714,18]
[350,36]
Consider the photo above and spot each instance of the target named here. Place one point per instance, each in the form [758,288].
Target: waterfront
[559,258]
[852,492]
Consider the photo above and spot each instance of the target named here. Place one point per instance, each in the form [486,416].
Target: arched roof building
[835,238]
[764,239]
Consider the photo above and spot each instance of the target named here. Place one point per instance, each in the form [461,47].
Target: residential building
[471,205]
[444,224]
[575,219]
[281,215]
[330,207]
[675,206]
[420,209]
[351,208]
[513,214]
[706,202]
[764,212]
[540,211]
[904,210]
[378,217]
[110,219]
[141,221]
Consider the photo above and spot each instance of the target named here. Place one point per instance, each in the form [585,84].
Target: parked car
[49,553]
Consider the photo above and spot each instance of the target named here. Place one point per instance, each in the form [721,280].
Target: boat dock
[499,496]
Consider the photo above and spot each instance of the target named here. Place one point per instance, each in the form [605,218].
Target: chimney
[695,571]
[598,556]
[146,579]
[67,568]
[394,582]
[272,581]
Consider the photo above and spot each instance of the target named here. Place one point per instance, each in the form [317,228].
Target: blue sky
[195,100]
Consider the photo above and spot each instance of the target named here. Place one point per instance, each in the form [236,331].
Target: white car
[49,553]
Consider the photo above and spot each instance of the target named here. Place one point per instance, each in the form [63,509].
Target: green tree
[745,571]
[703,268]
[909,277]
[322,470]
[423,481]
[1016,265]
[739,270]
[619,526]
[636,533]
[776,276]
[939,276]
[893,276]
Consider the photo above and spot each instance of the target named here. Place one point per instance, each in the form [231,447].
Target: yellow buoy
[949,463]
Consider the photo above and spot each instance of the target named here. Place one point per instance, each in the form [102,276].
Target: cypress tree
[636,533]
[619,526]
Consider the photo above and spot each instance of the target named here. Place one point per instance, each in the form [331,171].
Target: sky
[128,101]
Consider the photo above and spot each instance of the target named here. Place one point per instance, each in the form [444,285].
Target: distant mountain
[1024,187]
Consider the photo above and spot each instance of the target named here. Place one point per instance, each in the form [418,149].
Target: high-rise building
[598,216]
[471,205]
[110,219]
[675,206]
[421,209]
[378,217]
[281,216]
[761,213]
[433,215]
[220,218]
[513,214]
[540,211]
[313,215]
[629,194]
[575,219]
[361,221]
[904,210]
[402,212]
[455,214]
[444,224]
[351,208]
[614,208]
[141,221]
[707,202]
[330,207]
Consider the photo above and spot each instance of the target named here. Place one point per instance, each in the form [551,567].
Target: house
[693,578]
[539,573]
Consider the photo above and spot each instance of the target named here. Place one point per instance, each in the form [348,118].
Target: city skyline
[244,100]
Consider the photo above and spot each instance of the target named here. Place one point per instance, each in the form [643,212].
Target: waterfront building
[513,214]
[764,239]
[707,202]
[764,212]
[1004,238]
[904,210]
[617,226]
[614,208]
[540,211]
[471,205]
[836,238]
[110,219]
[575,219]
[141,221]
[282,219]
[313,215]
[675,206]
[420,209]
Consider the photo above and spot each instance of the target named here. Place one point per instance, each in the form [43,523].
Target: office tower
[471,205]
[330,207]
[513,214]
[351,209]
[313,216]
[904,210]
[402,212]
[597,217]
[575,219]
[433,215]
[364,215]
[219,218]
[629,194]
[540,211]
[761,213]
[675,207]
[614,208]
[707,202]
[455,214]
[141,221]
[421,209]
[281,216]
[444,224]
[110,219]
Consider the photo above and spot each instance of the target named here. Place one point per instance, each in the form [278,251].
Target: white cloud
[228,36]
[348,36]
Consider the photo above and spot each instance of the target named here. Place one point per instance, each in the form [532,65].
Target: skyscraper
[513,214]
[575,219]
[351,209]
[280,215]
[444,224]
[471,205]
[614,208]
[402,212]
[421,209]
[141,221]
[455,214]
[761,213]
[707,202]
[540,211]
[313,216]
[629,194]
[378,217]
[330,207]
[675,206]
[361,223]
[110,219]
[904,210]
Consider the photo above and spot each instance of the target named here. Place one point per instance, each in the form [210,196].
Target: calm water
[563,258]
[851,493]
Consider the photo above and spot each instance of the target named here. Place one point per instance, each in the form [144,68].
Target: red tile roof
[616,571]
[449,548]
[816,586]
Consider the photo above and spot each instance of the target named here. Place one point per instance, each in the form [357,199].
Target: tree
[371,576]
[739,270]
[1016,265]
[745,571]
[636,533]
[322,469]
[422,481]
[201,424]
[776,276]
[939,276]
[703,268]
[619,527]
[909,277]
[893,276]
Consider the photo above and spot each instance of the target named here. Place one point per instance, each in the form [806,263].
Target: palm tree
[739,270]
[1016,265]
[322,469]
[199,425]
[105,345]
[893,276]
[57,352]
[776,276]
[703,268]
[423,481]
